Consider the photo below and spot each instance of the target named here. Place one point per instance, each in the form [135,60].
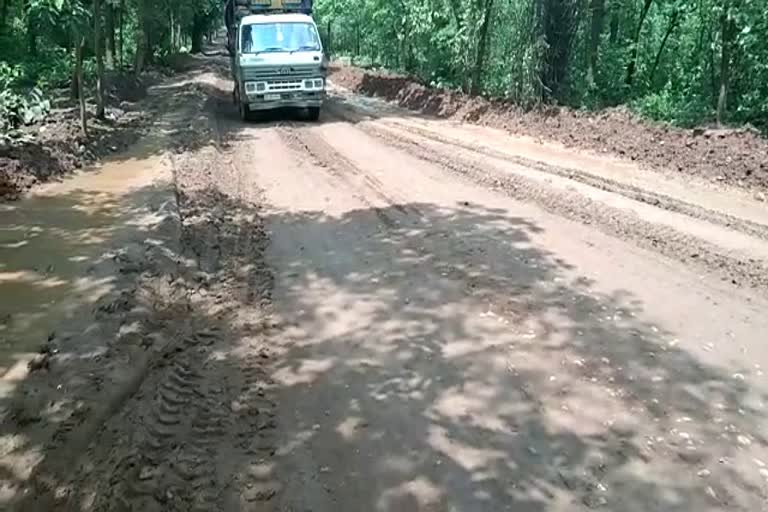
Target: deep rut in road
[650,197]
[203,416]
[737,269]
[307,144]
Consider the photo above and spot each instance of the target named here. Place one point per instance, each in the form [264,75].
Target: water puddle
[51,242]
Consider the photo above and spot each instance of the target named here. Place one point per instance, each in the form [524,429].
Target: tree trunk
[636,42]
[31,28]
[615,26]
[673,22]
[3,14]
[172,25]
[597,8]
[482,49]
[357,39]
[727,27]
[110,48]
[142,38]
[120,34]
[558,25]
[80,45]
[198,32]
[98,47]
[74,85]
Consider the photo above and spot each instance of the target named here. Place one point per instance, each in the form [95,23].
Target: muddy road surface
[378,312]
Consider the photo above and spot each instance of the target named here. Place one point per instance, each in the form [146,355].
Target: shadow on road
[476,376]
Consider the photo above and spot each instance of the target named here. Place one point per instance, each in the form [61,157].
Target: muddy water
[54,245]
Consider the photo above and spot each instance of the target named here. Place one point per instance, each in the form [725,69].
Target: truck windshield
[279,37]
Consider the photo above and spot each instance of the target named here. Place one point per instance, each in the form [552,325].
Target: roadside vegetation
[50,47]
[686,62]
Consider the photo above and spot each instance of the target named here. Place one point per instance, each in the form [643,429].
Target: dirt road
[387,312]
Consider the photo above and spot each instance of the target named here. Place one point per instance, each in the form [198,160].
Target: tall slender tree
[98,45]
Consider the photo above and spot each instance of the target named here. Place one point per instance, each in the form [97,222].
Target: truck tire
[245,112]
[313,113]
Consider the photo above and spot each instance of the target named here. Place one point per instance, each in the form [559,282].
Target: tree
[727,33]
[597,15]
[636,42]
[4,4]
[143,49]
[98,45]
[673,23]
[558,22]
[110,48]
[482,47]
[79,46]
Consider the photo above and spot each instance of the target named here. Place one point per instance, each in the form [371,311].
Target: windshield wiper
[305,48]
[268,50]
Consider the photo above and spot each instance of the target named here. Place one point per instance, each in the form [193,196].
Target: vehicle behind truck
[276,56]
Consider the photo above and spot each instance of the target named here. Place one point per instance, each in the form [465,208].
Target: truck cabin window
[279,37]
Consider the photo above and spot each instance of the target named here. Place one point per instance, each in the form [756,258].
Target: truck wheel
[245,112]
[313,113]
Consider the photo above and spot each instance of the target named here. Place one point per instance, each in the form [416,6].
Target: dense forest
[685,61]
[49,44]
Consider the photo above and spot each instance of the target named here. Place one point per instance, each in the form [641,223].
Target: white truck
[276,56]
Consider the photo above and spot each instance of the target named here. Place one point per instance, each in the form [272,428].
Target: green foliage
[51,69]
[38,39]
[534,46]
[532,50]
[18,109]
[671,106]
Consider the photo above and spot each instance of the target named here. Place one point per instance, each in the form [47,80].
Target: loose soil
[731,157]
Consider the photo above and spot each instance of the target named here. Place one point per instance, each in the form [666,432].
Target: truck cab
[277,61]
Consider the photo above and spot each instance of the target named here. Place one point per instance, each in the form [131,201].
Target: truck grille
[278,73]
[283,85]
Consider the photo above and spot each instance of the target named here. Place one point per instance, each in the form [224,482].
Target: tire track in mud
[635,193]
[323,155]
[175,461]
[202,416]
[658,200]
[209,414]
[612,221]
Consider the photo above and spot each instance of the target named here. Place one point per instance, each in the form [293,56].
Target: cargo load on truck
[236,10]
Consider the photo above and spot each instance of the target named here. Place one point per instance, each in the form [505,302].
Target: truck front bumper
[297,99]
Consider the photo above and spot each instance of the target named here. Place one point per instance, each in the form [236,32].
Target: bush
[673,108]
[9,75]
[19,105]
[17,109]
[51,69]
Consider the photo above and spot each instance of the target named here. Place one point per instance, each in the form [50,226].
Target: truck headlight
[254,87]
[314,84]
